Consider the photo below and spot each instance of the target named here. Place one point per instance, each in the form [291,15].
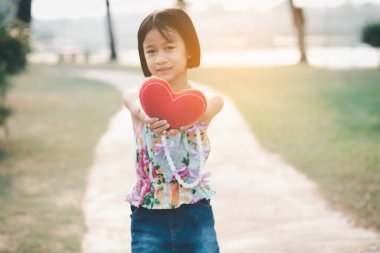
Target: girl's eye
[150,51]
[169,48]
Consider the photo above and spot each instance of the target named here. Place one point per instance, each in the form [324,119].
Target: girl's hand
[184,128]
[174,131]
[156,125]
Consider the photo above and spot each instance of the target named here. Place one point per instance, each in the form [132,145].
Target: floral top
[156,186]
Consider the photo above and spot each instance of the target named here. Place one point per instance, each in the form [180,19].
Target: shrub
[13,50]
[371,36]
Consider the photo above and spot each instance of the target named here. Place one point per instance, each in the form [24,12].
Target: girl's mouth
[163,70]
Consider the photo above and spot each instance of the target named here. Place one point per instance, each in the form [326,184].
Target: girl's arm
[214,106]
[130,100]
[132,103]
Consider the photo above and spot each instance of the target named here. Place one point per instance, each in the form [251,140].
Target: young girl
[171,210]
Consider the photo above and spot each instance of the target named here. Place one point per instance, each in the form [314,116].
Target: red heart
[179,109]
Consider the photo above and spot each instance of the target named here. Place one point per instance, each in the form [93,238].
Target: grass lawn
[44,163]
[326,123]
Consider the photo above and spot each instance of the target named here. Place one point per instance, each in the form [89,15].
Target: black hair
[165,21]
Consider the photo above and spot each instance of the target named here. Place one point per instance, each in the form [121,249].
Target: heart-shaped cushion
[179,109]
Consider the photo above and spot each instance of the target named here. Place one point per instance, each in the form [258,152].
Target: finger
[160,129]
[173,132]
[183,128]
[150,120]
[158,124]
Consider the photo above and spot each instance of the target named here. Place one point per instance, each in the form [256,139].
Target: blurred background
[304,74]
[245,32]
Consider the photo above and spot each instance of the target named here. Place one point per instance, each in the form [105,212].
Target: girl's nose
[161,58]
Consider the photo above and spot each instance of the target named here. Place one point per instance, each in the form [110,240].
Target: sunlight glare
[74,9]
[319,3]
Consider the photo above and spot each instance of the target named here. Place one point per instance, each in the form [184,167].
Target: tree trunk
[110,33]
[299,24]
[24,11]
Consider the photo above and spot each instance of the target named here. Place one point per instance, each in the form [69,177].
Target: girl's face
[166,59]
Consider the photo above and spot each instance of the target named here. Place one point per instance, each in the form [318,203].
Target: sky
[72,9]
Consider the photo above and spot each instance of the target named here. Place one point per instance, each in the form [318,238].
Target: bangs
[163,27]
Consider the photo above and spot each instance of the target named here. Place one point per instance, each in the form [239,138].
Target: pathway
[262,203]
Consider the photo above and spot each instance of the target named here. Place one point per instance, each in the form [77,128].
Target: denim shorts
[186,229]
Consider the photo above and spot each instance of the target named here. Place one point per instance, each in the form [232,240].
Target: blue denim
[186,229]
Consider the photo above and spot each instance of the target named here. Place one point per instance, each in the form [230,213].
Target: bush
[371,34]
[13,51]
[5,112]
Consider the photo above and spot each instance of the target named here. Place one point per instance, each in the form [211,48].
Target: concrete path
[262,204]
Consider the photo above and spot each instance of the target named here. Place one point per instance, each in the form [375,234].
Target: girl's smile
[162,71]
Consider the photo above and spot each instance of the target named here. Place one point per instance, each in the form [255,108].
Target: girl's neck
[180,83]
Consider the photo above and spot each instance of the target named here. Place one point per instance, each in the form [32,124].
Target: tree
[24,11]
[299,24]
[110,33]
[371,36]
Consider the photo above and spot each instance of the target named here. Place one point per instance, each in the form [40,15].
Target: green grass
[44,163]
[325,123]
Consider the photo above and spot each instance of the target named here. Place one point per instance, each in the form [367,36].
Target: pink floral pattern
[159,189]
